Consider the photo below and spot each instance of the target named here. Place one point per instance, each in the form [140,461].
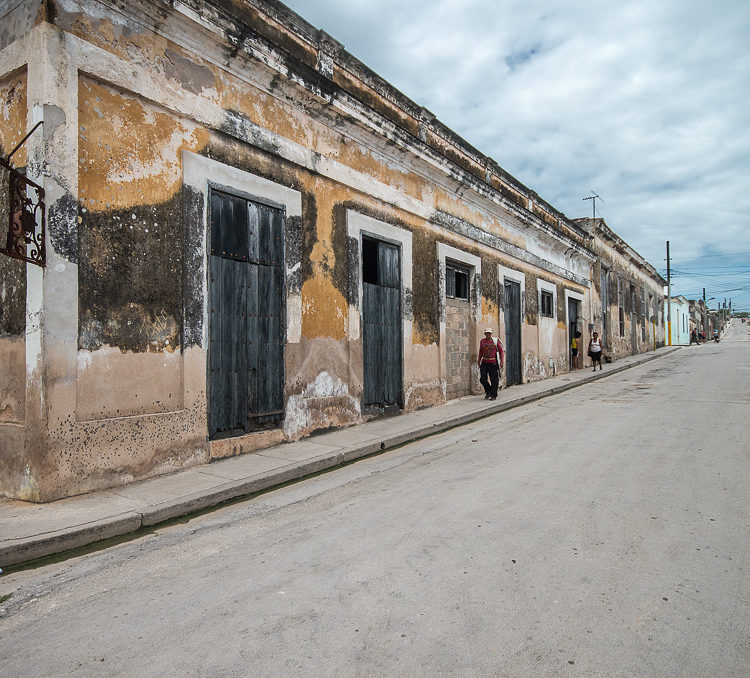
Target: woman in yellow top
[574,350]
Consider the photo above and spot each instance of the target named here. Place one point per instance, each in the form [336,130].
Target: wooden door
[633,321]
[512,312]
[381,324]
[572,329]
[246,316]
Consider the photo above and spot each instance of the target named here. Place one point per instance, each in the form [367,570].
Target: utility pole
[593,198]
[704,311]
[669,299]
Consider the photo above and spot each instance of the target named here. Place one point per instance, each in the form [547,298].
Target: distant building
[699,317]
[627,294]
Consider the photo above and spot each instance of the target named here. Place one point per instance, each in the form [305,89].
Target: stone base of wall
[230,447]
[458,349]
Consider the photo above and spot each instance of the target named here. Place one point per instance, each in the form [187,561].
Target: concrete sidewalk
[30,531]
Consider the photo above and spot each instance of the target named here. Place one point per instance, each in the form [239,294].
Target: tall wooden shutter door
[512,311]
[381,321]
[266,313]
[246,341]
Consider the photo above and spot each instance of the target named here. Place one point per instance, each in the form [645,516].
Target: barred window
[547,304]
[456,282]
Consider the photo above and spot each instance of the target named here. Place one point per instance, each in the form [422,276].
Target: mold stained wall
[320,360]
[130,253]
[544,340]
[273,112]
[629,273]
[135,284]
[13,116]
[552,332]
[324,269]
[133,234]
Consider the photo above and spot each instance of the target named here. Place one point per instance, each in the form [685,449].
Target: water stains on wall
[267,96]
[13,283]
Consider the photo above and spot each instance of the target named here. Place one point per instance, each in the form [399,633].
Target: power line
[687,274]
[717,268]
[712,256]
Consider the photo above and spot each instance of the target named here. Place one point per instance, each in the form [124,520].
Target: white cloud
[647,103]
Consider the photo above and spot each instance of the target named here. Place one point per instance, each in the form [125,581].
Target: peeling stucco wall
[256,96]
[645,328]
[13,112]
[130,253]
[17,18]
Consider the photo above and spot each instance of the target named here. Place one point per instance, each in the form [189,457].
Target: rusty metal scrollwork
[23,200]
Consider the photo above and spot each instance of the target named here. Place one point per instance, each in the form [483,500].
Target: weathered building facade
[627,299]
[701,317]
[250,237]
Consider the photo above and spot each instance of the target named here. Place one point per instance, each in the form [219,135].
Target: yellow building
[250,236]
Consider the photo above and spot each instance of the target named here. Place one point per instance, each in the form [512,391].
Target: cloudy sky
[645,102]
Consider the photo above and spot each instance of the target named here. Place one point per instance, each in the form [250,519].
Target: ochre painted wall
[13,116]
[129,407]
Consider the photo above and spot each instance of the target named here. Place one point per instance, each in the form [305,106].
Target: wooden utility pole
[669,299]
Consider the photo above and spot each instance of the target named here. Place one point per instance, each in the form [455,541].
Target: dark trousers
[489,370]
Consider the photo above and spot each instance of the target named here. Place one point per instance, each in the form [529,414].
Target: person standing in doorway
[491,357]
[595,350]
[574,343]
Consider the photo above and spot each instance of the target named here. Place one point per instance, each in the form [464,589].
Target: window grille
[456,282]
[547,305]
[22,209]
[22,213]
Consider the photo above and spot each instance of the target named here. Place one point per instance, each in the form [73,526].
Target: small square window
[456,282]
[370,261]
[547,305]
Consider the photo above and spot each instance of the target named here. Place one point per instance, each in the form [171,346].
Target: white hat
[488,329]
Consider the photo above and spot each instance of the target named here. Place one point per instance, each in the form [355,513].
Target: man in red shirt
[491,356]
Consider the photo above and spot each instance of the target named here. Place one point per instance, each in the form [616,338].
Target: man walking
[491,356]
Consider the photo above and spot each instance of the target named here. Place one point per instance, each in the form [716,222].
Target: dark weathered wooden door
[572,328]
[512,311]
[381,324]
[246,316]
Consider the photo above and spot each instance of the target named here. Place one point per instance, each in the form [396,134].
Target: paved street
[601,532]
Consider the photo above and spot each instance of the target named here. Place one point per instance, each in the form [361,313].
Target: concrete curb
[40,546]
[25,550]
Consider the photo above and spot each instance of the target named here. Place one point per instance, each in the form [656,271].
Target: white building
[680,315]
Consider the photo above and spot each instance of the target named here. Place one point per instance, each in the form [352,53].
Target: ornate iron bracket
[23,212]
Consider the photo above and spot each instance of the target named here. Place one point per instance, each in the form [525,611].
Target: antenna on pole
[593,197]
